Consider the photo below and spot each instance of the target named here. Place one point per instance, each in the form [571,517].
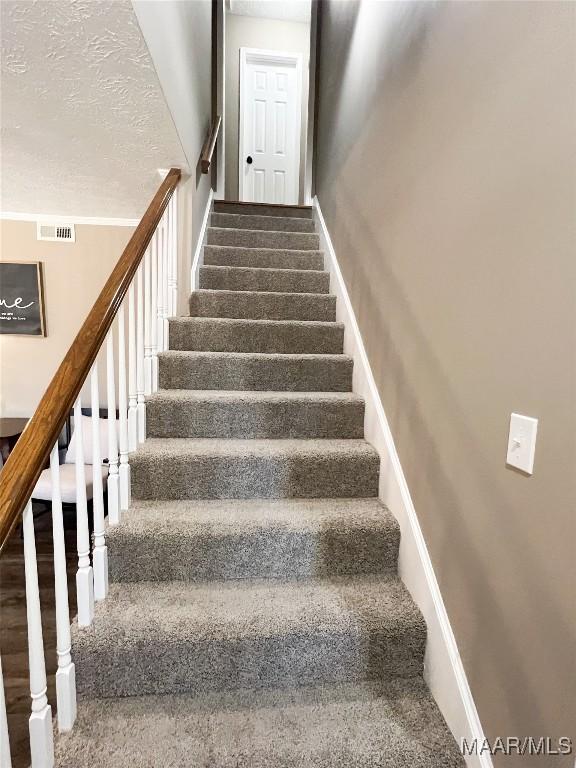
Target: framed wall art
[22,298]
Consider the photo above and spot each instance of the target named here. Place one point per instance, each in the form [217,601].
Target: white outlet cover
[522,442]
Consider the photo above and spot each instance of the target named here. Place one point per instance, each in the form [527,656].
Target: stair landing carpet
[255,616]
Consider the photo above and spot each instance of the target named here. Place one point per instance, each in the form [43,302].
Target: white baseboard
[443,670]
[200,243]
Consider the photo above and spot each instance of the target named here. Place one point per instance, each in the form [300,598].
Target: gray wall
[446,172]
[179,37]
[272,35]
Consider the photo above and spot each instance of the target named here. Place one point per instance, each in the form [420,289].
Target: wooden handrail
[25,462]
[209,146]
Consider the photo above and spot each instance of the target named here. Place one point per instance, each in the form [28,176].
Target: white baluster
[148,367]
[65,675]
[40,723]
[166,282]
[132,395]
[123,414]
[113,486]
[160,290]
[5,759]
[169,215]
[154,310]
[140,402]
[174,202]
[100,553]
[84,575]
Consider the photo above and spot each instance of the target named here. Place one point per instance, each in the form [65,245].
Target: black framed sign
[22,298]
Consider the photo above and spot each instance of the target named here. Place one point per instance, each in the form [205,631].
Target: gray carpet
[255,616]
[263,305]
[361,725]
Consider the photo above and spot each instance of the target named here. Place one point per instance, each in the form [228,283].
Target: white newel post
[84,575]
[160,289]
[5,759]
[65,675]
[40,723]
[132,394]
[113,486]
[100,553]
[140,402]
[154,310]
[123,414]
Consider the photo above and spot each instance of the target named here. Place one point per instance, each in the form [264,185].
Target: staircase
[255,617]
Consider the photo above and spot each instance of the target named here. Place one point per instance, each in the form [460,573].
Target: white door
[269,146]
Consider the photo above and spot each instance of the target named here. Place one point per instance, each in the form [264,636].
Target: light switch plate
[522,442]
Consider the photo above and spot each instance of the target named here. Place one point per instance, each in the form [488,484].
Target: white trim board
[51,218]
[288,58]
[200,243]
[443,670]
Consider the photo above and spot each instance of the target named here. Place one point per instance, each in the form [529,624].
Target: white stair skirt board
[443,669]
[200,243]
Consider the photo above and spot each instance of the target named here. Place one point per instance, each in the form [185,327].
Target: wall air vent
[55,232]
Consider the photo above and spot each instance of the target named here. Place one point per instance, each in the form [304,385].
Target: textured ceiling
[287,10]
[84,123]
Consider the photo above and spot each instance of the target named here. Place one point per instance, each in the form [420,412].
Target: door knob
[249,160]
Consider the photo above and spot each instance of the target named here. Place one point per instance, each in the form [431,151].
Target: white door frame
[248,56]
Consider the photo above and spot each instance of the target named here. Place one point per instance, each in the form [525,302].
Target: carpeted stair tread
[255,221]
[263,305]
[256,238]
[263,209]
[184,468]
[255,371]
[170,637]
[252,539]
[273,258]
[195,468]
[253,414]
[238,335]
[393,724]
[264,279]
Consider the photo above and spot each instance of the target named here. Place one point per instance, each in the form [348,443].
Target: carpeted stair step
[272,258]
[263,305]
[231,335]
[241,370]
[173,637]
[263,209]
[252,221]
[392,724]
[260,279]
[184,468]
[255,238]
[221,413]
[252,539]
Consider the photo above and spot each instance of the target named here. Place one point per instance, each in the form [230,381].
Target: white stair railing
[123,415]
[132,392]
[148,363]
[40,722]
[140,363]
[65,676]
[131,373]
[100,553]
[154,311]
[84,574]
[113,484]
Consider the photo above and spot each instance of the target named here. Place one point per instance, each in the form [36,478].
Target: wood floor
[13,637]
